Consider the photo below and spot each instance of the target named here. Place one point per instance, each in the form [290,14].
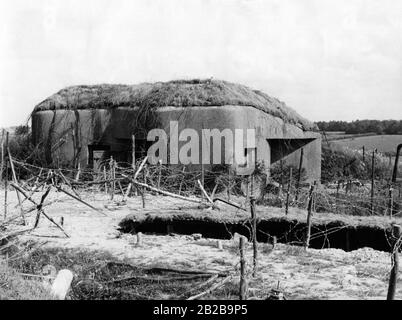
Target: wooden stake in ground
[133,152]
[390,201]
[254,234]
[105,178]
[288,192]
[113,176]
[299,176]
[6,178]
[2,154]
[364,154]
[309,212]
[372,183]
[229,182]
[243,280]
[337,195]
[77,177]
[142,192]
[159,173]
[393,277]
[181,181]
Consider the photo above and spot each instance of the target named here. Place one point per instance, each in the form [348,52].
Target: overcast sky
[328,59]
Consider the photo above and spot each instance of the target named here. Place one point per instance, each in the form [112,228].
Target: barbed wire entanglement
[209,188]
[345,197]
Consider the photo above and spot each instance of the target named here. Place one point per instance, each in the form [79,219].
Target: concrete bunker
[87,124]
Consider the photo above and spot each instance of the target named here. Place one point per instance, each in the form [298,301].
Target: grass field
[383,143]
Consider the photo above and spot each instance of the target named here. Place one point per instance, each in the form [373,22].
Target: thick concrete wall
[114,127]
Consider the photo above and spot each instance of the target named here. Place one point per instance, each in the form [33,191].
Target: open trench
[331,235]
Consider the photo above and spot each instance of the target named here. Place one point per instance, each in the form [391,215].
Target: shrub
[345,163]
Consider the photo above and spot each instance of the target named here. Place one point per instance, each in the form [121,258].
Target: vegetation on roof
[177,93]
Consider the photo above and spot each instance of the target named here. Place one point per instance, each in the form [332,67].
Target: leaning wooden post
[309,212]
[372,183]
[243,280]
[288,192]
[393,277]
[6,178]
[299,175]
[254,234]
[202,178]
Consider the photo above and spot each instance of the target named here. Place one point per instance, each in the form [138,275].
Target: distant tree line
[363,126]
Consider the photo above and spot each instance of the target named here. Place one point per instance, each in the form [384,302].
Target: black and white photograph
[199,157]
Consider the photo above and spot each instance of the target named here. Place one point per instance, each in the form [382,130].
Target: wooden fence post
[105,178]
[288,192]
[77,177]
[393,277]
[337,195]
[159,173]
[299,176]
[181,181]
[254,234]
[229,182]
[372,183]
[309,212]
[364,154]
[6,177]
[243,280]
[142,194]
[2,154]
[112,175]
[390,201]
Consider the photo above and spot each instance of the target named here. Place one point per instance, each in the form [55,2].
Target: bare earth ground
[315,274]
